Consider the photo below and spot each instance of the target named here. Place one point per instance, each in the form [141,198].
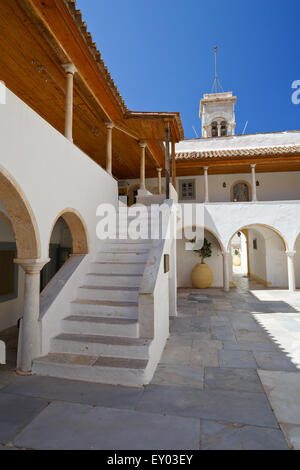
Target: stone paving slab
[176,354]
[283,391]
[237,359]
[274,361]
[6,377]
[252,336]
[16,412]
[179,376]
[223,333]
[292,434]
[205,357]
[69,426]
[74,391]
[225,436]
[240,407]
[250,346]
[239,380]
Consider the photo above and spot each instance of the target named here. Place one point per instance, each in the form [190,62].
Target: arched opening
[223,129]
[68,236]
[20,216]
[214,129]
[262,255]
[241,191]
[297,262]
[187,259]
[18,239]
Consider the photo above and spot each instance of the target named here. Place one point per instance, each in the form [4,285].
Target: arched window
[223,128]
[214,129]
[240,192]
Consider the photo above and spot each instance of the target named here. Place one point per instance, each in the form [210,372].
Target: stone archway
[21,217]
[78,230]
[266,252]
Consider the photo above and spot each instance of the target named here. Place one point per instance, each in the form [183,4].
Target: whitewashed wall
[53,174]
[281,186]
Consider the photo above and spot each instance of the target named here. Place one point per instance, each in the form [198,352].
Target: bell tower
[217,110]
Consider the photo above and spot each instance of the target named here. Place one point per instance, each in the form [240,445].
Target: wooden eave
[37,37]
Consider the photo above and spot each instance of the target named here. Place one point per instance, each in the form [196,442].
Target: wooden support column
[159,170]
[70,70]
[173,166]
[109,127]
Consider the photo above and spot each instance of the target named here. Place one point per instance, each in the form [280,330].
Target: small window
[255,244]
[214,129]
[187,190]
[223,129]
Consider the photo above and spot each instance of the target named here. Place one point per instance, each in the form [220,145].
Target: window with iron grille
[187,190]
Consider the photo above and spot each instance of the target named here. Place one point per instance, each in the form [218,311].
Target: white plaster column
[253,176]
[109,127]
[291,270]
[226,258]
[143,146]
[159,170]
[30,321]
[206,184]
[219,130]
[70,69]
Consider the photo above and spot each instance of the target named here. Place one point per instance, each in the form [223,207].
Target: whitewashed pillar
[291,270]
[206,183]
[143,146]
[70,70]
[159,170]
[31,313]
[109,127]
[219,130]
[253,175]
[226,262]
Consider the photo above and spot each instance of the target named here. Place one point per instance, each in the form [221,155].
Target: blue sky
[160,54]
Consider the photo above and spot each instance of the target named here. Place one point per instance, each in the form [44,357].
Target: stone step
[96,345]
[125,248]
[117,268]
[124,294]
[117,280]
[140,243]
[83,324]
[107,370]
[110,309]
[122,257]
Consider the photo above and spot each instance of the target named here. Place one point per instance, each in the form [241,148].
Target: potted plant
[237,258]
[202,276]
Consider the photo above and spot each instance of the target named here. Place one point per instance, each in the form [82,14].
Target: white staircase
[99,340]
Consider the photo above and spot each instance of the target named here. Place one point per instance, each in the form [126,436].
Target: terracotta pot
[202,277]
[237,260]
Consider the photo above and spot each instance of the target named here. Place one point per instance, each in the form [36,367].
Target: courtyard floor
[229,378]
